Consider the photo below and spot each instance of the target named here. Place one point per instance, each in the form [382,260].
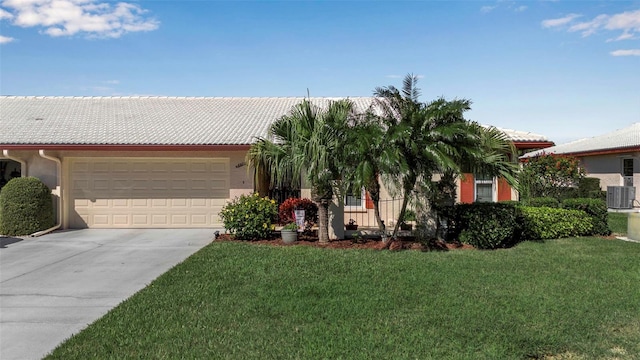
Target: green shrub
[543,202]
[26,207]
[595,208]
[249,217]
[542,223]
[588,186]
[598,194]
[485,225]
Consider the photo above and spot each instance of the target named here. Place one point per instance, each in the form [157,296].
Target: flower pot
[289,236]
[406,227]
[351,227]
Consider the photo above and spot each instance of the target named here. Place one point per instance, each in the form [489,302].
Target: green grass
[571,298]
[618,223]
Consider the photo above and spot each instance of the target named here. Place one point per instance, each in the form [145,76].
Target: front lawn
[618,223]
[571,298]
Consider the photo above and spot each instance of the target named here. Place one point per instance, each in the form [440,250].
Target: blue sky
[564,69]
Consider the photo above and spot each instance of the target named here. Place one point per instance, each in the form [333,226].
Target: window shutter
[467,188]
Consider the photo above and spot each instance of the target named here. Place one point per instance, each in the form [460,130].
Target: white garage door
[147,192]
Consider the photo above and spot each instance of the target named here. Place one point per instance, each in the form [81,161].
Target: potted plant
[352,225]
[289,233]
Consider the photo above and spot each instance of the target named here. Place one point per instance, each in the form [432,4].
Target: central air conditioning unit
[620,197]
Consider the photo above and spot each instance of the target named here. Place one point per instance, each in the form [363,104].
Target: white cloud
[5,14]
[521,8]
[630,52]
[559,21]
[112,82]
[6,39]
[627,22]
[487,9]
[87,17]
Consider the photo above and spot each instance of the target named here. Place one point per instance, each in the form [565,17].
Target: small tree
[549,175]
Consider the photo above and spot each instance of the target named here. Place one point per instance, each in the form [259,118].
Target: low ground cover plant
[250,217]
[26,207]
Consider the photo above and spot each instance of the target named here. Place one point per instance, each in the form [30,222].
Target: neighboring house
[158,162]
[613,157]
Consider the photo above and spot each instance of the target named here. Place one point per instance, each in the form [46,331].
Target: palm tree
[368,158]
[307,143]
[435,138]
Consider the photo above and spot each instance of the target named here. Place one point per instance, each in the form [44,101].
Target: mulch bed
[402,244]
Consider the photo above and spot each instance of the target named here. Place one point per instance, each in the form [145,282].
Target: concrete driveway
[53,286]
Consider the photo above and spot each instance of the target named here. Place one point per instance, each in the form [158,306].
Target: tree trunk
[322,196]
[262,181]
[374,193]
[403,209]
[407,188]
[323,221]
[427,224]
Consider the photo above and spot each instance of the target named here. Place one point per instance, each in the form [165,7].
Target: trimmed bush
[589,186]
[285,212]
[543,223]
[598,194]
[26,207]
[543,202]
[249,217]
[595,208]
[485,225]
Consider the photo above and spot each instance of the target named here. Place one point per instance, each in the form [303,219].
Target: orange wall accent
[467,189]
[368,202]
[504,190]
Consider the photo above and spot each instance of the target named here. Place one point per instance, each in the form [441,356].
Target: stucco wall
[608,168]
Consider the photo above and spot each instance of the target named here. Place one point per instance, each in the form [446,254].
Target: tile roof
[142,120]
[153,120]
[621,139]
[523,136]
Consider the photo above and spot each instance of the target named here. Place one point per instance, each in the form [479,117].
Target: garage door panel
[121,220]
[118,192]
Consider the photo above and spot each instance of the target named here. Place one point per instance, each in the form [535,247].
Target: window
[627,167]
[484,188]
[627,172]
[354,201]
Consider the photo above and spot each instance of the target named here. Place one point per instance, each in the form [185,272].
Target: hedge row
[544,223]
[596,208]
[497,225]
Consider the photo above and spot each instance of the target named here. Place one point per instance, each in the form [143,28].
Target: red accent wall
[467,189]
[504,190]
[368,201]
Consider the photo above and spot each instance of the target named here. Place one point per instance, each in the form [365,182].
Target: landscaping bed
[405,243]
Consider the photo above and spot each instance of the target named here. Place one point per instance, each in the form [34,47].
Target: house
[157,162]
[613,157]
[140,162]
